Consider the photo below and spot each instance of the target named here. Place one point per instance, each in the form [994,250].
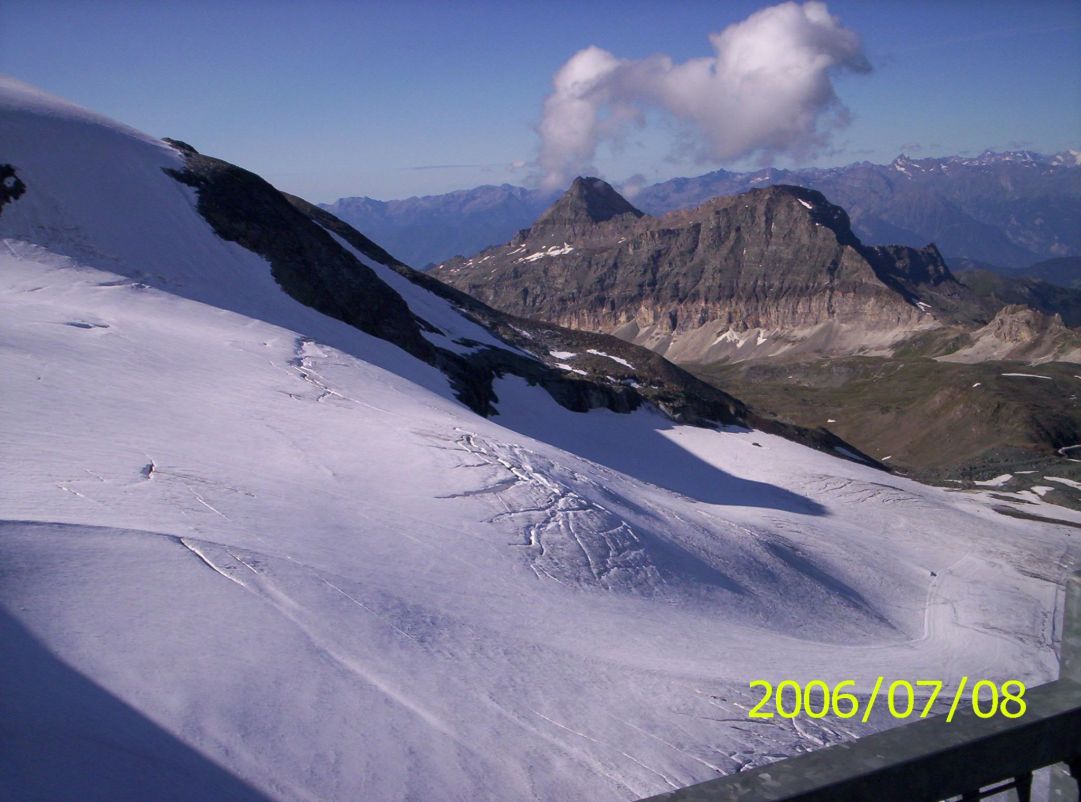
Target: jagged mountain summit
[1007,210]
[774,271]
[283,519]
[588,201]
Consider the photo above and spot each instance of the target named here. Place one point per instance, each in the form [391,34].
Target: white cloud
[767,90]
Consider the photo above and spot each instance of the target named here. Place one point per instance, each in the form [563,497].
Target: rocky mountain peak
[1020,333]
[1020,324]
[773,270]
[588,201]
[792,207]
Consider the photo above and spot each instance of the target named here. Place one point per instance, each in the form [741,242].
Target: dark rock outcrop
[304,259]
[588,201]
[11,186]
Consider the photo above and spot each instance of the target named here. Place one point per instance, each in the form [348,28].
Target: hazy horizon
[331,99]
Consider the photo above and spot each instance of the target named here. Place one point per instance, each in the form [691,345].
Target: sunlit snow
[998,481]
[620,360]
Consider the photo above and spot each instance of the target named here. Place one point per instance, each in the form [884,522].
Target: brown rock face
[774,259]
[1019,324]
[1020,333]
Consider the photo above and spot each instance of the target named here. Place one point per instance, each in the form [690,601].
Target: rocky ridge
[775,271]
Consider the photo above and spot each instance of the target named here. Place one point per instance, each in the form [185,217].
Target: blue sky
[327,99]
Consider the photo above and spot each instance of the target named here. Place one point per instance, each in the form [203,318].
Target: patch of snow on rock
[621,361]
[998,481]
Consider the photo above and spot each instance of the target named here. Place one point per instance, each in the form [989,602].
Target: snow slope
[249,552]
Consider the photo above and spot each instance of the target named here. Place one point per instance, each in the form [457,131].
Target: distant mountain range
[1064,272]
[1007,210]
[420,231]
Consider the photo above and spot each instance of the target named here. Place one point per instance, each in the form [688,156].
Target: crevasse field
[248,551]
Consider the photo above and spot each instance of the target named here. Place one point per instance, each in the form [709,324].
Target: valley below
[939,422]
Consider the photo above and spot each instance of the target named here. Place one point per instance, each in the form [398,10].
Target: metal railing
[932,760]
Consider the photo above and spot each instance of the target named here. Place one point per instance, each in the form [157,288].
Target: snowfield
[250,552]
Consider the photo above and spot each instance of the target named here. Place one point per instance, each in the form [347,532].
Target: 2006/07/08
[988,699]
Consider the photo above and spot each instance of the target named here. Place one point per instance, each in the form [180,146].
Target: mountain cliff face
[305,261]
[772,271]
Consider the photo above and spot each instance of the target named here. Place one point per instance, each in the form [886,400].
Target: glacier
[250,552]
